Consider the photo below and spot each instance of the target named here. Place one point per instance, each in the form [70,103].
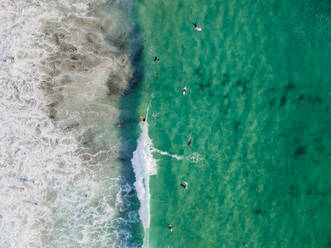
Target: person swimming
[170,227]
[31,202]
[189,143]
[156,59]
[184,91]
[196,27]
[142,118]
[25,180]
[22,179]
[184,185]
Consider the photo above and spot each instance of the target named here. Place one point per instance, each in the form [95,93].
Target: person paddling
[184,91]
[189,143]
[196,27]
[170,227]
[142,118]
[156,59]
[184,185]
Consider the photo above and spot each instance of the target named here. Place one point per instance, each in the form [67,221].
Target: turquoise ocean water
[257,110]
[257,113]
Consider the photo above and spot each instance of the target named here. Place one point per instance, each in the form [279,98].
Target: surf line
[144,165]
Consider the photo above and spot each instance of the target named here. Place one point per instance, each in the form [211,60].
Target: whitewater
[145,166]
[64,66]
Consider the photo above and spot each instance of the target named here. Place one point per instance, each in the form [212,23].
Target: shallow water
[65,66]
[258,112]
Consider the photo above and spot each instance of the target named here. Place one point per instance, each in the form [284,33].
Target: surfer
[156,59]
[196,27]
[184,185]
[142,118]
[189,143]
[170,227]
[184,91]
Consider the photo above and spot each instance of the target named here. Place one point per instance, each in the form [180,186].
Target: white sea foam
[175,156]
[144,165]
[55,66]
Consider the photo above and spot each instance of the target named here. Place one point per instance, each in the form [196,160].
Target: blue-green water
[258,112]
[77,167]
